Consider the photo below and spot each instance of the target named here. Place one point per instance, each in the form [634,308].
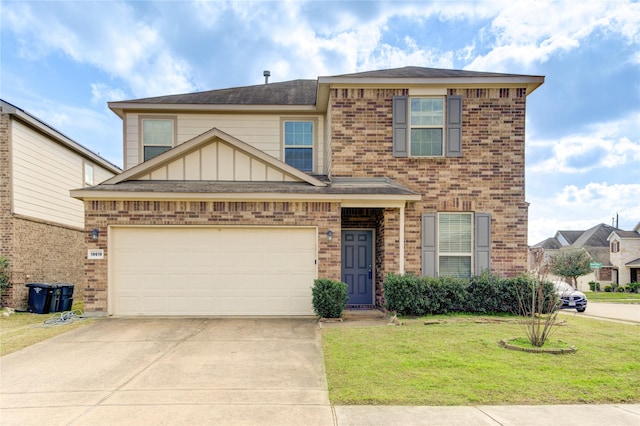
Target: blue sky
[64,60]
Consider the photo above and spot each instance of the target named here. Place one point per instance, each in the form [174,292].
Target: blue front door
[357,262]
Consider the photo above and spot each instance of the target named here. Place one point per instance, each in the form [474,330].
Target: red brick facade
[101,214]
[489,177]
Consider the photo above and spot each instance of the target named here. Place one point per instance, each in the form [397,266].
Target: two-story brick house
[41,226]
[232,201]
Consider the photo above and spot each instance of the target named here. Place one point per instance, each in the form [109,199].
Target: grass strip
[601,296]
[21,329]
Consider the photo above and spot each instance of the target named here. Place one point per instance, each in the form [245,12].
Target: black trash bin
[56,293]
[40,297]
[66,297]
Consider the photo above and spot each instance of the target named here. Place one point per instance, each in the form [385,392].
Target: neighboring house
[233,201]
[599,242]
[625,255]
[41,226]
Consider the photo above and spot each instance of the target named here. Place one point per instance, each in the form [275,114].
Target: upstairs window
[298,144]
[88,174]
[157,136]
[427,126]
[615,246]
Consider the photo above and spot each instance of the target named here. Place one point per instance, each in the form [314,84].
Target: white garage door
[211,270]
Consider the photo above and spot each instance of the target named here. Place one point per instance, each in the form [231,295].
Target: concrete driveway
[170,371]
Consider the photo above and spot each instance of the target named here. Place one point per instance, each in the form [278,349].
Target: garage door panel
[212,271]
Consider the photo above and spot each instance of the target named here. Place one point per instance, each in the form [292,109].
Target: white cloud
[132,50]
[101,94]
[602,145]
[530,32]
[580,208]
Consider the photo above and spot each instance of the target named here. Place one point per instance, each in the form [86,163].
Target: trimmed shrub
[594,286]
[415,296]
[608,289]
[633,287]
[329,298]
[402,294]
[445,295]
[483,294]
[621,289]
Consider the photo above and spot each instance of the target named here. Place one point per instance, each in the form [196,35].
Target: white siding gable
[43,173]
[219,161]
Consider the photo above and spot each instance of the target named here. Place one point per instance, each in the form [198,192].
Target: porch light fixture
[329,235]
[94,234]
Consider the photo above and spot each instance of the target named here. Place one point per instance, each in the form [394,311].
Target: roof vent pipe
[266,74]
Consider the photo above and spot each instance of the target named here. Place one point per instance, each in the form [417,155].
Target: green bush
[484,294]
[633,287]
[594,286]
[329,298]
[415,296]
[446,294]
[401,294]
[4,274]
[608,289]
[621,289]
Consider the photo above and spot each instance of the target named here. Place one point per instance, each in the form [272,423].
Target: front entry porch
[357,267]
[369,248]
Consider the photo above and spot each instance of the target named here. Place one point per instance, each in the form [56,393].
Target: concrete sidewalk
[515,415]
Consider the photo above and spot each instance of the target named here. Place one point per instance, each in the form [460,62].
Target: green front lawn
[602,296]
[459,362]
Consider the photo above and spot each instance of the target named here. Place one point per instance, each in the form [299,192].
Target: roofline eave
[119,108]
[349,200]
[530,82]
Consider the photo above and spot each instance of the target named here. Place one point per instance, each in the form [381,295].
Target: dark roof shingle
[422,72]
[296,92]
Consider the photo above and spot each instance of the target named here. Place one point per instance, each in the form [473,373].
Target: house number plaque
[95,254]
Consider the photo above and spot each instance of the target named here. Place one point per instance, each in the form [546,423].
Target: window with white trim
[157,136]
[88,174]
[455,244]
[427,126]
[615,246]
[298,144]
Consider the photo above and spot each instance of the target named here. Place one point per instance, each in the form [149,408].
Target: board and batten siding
[218,161]
[43,173]
[262,131]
